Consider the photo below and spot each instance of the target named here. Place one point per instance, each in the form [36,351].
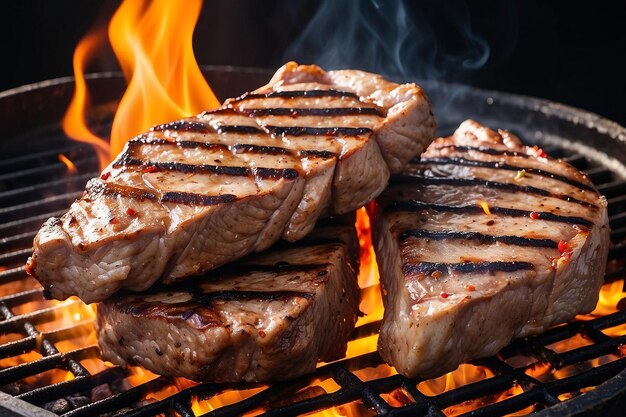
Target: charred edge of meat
[428,268]
[400,179]
[331,111]
[268,150]
[184,126]
[318,131]
[297,93]
[317,154]
[239,129]
[479,237]
[196,199]
[501,211]
[481,149]
[277,268]
[96,188]
[500,165]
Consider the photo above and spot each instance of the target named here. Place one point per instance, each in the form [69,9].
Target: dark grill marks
[330,111]
[464,182]
[427,268]
[500,165]
[297,93]
[96,188]
[196,199]
[184,126]
[207,299]
[277,268]
[478,237]
[500,211]
[239,129]
[268,150]
[318,131]
[318,154]
[238,171]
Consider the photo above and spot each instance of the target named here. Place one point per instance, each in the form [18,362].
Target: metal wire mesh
[36,186]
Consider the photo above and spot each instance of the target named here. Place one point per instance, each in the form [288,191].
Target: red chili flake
[444,295]
[534,215]
[261,333]
[563,246]
[151,168]
[105,176]
[470,287]
[436,274]
[130,212]
[540,153]
[113,220]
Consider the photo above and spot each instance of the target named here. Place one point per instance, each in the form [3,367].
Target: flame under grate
[48,355]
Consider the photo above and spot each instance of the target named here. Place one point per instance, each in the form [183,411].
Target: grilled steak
[269,317]
[192,195]
[480,241]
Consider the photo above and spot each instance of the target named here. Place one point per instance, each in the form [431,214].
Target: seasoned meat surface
[482,240]
[267,317]
[189,196]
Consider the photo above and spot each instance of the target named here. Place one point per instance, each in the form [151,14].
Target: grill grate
[36,186]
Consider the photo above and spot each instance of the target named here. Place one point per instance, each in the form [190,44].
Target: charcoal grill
[35,185]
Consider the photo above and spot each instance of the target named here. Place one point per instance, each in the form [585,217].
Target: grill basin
[35,185]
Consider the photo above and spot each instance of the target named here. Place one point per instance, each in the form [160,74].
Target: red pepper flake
[151,168]
[470,287]
[534,215]
[262,333]
[540,153]
[113,220]
[436,274]
[444,295]
[105,176]
[564,246]
[131,212]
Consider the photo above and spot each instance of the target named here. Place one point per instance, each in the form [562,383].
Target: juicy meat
[269,317]
[192,195]
[480,241]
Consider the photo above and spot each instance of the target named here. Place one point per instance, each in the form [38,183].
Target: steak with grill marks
[482,240]
[267,317]
[192,195]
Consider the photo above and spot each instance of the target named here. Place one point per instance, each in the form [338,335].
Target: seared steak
[192,195]
[271,316]
[480,241]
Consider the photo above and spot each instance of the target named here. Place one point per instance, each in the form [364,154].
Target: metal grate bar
[48,393]
[26,344]
[29,223]
[44,205]
[74,150]
[32,192]
[12,274]
[47,363]
[56,169]
[13,323]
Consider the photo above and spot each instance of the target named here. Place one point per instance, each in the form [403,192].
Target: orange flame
[153,42]
[74,122]
[71,168]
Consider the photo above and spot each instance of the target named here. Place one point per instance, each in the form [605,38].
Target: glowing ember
[71,168]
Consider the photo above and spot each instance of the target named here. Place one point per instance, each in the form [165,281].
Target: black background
[567,51]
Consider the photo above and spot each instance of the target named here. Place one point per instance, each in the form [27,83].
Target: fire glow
[153,41]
